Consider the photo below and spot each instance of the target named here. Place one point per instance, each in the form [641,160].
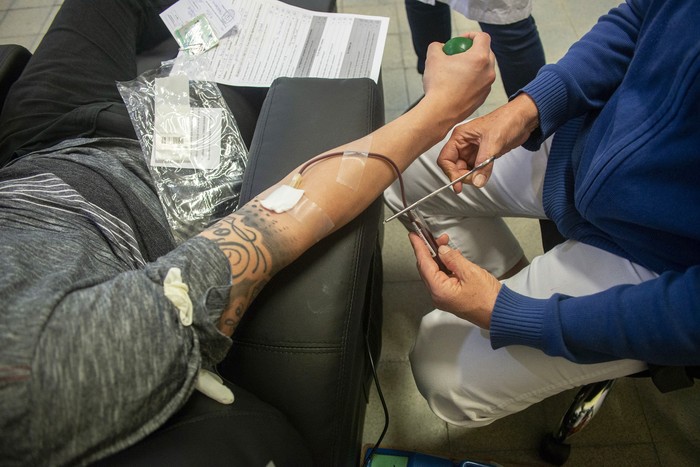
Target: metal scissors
[430,195]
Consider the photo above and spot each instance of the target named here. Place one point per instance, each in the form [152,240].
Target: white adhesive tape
[352,166]
[309,214]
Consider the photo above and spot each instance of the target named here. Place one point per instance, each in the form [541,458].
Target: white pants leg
[468,383]
[463,379]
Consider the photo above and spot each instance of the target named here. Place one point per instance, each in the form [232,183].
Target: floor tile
[619,420]
[412,425]
[49,20]
[527,231]
[405,304]
[397,254]
[393,56]
[520,431]
[674,422]
[624,455]
[35,3]
[585,14]
[24,21]
[414,80]
[556,39]
[395,94]
[547,12]
[409,55]
[460,24]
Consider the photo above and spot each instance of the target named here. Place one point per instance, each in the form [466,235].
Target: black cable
[371,451]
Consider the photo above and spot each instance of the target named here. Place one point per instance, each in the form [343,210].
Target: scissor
[430,195]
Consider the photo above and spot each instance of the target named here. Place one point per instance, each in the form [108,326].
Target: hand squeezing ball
[457,45]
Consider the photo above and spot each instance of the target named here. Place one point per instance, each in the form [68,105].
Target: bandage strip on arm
[291,199]
[352,166]
[351,180]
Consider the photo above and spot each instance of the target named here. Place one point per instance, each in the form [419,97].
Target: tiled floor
[636,427]
[24,22]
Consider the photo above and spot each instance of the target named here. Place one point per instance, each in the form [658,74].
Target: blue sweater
[623,175]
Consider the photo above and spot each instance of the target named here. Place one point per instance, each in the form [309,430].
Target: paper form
[273,39]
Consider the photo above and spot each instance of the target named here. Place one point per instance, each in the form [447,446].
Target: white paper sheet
[273,39]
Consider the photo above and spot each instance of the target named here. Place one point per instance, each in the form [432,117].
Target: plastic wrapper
[191,142]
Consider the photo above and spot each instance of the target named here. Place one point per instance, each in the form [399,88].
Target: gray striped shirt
[92,354]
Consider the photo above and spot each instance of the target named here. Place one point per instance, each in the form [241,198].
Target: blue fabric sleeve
[585,78]
[656,321]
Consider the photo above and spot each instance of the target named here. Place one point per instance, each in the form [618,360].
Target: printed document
[272,39]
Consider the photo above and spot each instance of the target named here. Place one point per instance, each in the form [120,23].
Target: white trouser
[463,379]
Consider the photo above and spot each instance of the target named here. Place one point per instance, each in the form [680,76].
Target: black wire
[371,451]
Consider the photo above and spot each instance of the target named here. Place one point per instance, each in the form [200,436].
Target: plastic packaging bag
[191,142]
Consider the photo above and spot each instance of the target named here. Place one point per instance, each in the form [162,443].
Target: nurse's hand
[494,134]
[469,292]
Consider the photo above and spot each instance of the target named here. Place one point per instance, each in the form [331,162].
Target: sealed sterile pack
[191,142]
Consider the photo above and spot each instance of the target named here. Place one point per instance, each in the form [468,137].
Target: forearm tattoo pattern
[257,246]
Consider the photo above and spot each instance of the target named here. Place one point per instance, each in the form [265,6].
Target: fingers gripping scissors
[419,225]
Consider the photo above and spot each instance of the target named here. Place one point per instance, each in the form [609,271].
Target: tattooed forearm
[257,245]
[243,247]
[239,302]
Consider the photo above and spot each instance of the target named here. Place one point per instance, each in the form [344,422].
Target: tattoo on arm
[257,246]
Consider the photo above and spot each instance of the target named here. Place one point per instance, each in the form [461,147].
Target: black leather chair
[554,447]
[303,347]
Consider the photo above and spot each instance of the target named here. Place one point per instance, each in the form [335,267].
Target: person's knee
[450,373]
[439,383]
[447,398]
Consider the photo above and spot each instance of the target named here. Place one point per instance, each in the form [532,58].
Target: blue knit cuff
[517,320]
[549,93]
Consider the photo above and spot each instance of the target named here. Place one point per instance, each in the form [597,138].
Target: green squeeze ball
[457,45]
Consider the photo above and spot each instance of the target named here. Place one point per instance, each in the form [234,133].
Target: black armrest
[301,345]
[13,59]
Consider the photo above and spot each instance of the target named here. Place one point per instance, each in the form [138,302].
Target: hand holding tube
[469,292]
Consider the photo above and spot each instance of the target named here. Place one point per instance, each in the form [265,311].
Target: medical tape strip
[351,168]
[310,215]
